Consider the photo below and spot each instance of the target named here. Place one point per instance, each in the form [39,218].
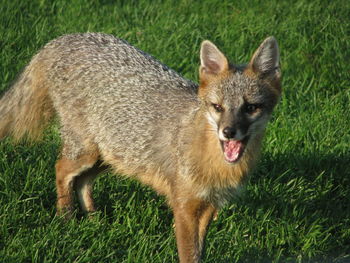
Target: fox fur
[193,143]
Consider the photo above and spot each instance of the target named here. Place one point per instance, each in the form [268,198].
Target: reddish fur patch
[192,219]
[65,169]
[248,71]
[210,170]
[208,79]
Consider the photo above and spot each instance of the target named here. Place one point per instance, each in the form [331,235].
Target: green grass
[296,206]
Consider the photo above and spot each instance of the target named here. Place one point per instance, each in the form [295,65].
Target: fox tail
[26,108]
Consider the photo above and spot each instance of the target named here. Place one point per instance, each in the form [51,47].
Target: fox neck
[208,161]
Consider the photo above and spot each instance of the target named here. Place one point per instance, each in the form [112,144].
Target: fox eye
[218,107]
[251,108]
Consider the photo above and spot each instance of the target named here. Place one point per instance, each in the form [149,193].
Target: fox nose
[229,132]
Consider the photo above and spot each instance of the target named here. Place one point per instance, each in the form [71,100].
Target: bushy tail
[26,108]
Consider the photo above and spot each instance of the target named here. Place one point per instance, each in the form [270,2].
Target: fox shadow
[326,177]
[306,188]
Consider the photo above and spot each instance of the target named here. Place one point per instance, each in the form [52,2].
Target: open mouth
[233,149]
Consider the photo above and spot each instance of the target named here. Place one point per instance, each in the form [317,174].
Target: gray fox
[121,107]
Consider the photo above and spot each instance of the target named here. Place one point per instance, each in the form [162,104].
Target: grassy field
[296,206]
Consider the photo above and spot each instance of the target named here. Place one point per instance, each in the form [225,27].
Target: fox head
[238,100]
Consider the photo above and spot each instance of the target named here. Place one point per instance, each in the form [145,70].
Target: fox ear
[213,62]
[265,60]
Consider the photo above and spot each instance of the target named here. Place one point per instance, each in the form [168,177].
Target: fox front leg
[192,218]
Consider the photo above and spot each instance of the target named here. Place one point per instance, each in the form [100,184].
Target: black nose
[229,132]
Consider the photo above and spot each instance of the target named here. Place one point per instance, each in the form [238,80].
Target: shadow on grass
[306,189]
[326,177]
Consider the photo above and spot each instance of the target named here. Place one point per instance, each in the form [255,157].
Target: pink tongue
[232,150]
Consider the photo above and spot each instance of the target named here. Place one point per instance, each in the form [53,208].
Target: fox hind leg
[75,171]
[83,186]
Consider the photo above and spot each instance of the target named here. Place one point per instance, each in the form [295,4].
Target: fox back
[113,95]
[119,106]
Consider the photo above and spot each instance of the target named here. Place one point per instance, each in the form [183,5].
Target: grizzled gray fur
[118,106]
